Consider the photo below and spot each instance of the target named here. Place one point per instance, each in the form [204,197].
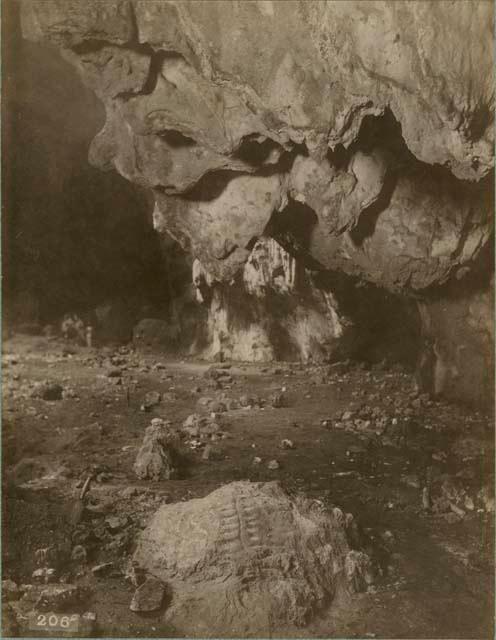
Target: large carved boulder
[247,559]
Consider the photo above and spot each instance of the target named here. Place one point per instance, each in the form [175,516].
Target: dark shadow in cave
[176,139]
[255,152]
[387,325]
[292,228]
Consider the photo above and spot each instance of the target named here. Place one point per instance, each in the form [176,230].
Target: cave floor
[435,566]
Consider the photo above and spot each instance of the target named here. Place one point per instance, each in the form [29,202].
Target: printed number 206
[55,621]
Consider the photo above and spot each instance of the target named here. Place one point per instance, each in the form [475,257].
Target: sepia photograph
[248,316]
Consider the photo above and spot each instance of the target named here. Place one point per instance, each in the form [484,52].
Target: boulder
[247,558]
[156,459]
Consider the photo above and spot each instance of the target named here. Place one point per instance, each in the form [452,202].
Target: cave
[248,319]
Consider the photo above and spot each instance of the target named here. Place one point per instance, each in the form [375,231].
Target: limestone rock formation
[247,559]
[273,311]
[359,135]
[458,356]
[227,109]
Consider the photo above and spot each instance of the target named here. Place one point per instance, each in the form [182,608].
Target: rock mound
[247,558]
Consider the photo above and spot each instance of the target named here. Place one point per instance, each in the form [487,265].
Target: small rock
[278,400]
[156,457]
[248,401]
[273,465]
[62,597]
[102,569]
[358,570]
[148,597]
[129,492]
[257,460]
[218,407]
[44,575]
[287,444]
[114,373]
[10,591]
[192,424]
[49,391]
[79,554]
[115,523]
[152,399]
[457,510]
[411,481]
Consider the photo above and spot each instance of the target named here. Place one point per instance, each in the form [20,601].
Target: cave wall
[73,237]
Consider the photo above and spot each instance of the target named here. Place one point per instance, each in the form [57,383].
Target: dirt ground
[417,475]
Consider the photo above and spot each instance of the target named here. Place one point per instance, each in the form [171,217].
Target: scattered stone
[102,569]
[103,477]
[218,407]
[338,368]
[114,373]
[129,492]
[44,575]
[196,426]
[193,424]
[79,554]
[411,480]
[156,457]
[273,465]
[358,570]
[49,391]
[152,399]
[62,597]
[148,597]
[249,401]
[116,523]
[278,400]
[486,497]
[10,591]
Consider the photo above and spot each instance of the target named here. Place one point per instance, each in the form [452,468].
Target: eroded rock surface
[272,312]
[226,110]
[358,135]
[247,558]
[458,356]
[157,457]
